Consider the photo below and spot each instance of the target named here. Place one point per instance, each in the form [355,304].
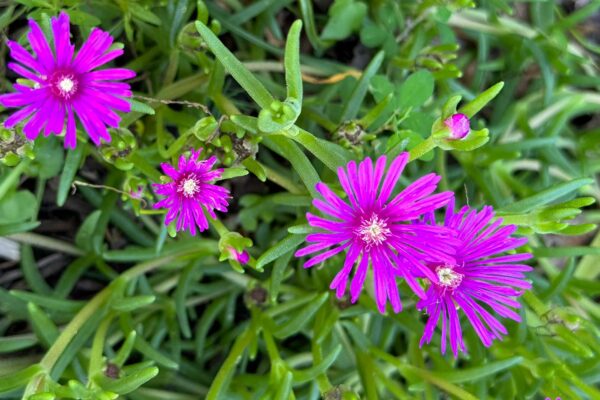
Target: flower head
[65,84]
[374,228]
[478,276]
[458,125]
[190,192]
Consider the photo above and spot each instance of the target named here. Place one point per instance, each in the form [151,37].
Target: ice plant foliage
[479,279]
[191,192]
[65,84]
[374,228]
[459,126]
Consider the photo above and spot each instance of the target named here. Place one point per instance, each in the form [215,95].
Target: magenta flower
[376,230]
[65,86]
[478,276]
[459,126]
[190,192]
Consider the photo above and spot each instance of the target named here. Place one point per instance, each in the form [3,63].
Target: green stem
[322,379]
[12,177]
[271,347]
[228,367]
[422,148]
[95,365]
[535,303]
[72,328]
[441,167]
[219,227]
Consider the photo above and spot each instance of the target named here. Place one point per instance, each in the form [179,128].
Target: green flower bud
[118,151]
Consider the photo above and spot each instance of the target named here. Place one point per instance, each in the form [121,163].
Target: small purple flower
[458,125]
[65,86]
[478,276]
[190,192]
[376,230]
[242,257]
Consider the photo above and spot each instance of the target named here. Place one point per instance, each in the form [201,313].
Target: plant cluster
[229,170]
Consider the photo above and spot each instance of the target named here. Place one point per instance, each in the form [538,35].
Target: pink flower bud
[242,257]
[458,125]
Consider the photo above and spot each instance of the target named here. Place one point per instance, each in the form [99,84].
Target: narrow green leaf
[352,106]
[69,171]
[330,154]
[139,11]
[296,323]
[11,229]
[238,71]
[560,282]
[71,275]
[132,303]
[376,112]
[12,177]
[574,251]
[141,108]
[128,383]
[157,356]
[308,17]
[293,76]
[450,388]
[8,344]
[282,247]
[473,374]
[309,374]
[301,164]
[43,327]
[18,379]
[181,293]
[233,172]
[546,196]
[366,371]
[245,122]
[204,324]
[125,350]
[31,272]
[96,354]
[228,368]
[481,101]
[284,387]
[278,273]
[255,168]
[49,303]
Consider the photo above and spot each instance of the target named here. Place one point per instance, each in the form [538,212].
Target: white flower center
[188,187]
[448,277]
[373,231]
[66,85]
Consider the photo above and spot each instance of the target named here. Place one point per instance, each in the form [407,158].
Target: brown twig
[180,102]
[131,196]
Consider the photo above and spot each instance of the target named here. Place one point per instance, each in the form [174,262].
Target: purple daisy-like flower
[190,192]
[479,277]
[376,230]
[66,85]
